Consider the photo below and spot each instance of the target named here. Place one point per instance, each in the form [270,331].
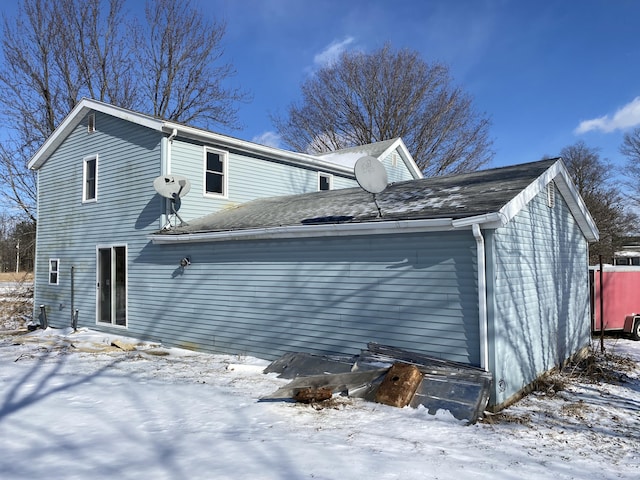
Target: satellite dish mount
[173,187]
[371,176]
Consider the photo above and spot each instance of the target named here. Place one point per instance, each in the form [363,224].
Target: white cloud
[626,117]
[332,52]
[269,139]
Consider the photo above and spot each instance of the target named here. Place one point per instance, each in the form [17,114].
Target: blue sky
[547,72]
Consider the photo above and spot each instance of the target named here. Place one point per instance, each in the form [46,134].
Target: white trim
[76,115]
[56,271]
[406,157]
[301,231]
[112,246]
[558,173]
[224,157]
[85,160]
[329,176]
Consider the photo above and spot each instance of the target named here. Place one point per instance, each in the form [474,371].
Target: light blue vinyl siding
[248,179]
[330,295]
[126,210]
[398,172]
[540,305]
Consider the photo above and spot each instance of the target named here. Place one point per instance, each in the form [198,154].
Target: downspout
[482,297]
[165,168]
[173,135]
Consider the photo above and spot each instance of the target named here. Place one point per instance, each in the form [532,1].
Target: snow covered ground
[72,406]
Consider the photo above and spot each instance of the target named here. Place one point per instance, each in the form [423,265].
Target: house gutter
[298,231]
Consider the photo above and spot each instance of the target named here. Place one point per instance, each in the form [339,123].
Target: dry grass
[16,301]
[19,277]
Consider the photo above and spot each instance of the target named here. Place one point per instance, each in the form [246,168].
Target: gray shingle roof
[453,196]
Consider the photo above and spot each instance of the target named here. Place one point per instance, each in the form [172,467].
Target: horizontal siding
[540,294]
[320,296]
[127,209]
[398,172]
[248,179]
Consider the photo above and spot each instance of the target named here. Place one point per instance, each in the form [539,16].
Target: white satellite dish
[172,186]
[370,174]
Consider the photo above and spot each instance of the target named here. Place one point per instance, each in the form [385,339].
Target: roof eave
[407,158]
[300,231]
[194,133]
[556,172]
[76,115]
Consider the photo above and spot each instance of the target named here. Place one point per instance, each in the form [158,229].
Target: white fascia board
[74,117]
[302,231]
[558,173]
[250,147]
[407,158]
[486,220]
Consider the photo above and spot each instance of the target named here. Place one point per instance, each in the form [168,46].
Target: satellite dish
[370,174]
[172,186]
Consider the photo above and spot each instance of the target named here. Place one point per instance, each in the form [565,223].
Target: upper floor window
[54,270]
[325,181]
[215,172]
[91,123]
[90,179]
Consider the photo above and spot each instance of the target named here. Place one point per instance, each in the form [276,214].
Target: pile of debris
[385,375]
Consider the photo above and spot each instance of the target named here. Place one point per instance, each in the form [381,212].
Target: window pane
[120,285]
[324,182]
[214,183]
[214,162]
[90,179]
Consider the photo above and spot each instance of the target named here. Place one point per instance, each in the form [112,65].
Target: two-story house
[272,251]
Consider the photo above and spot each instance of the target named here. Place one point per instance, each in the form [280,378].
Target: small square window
[325,181]
[91,123]
[54,269]
[215,172]
[90,179]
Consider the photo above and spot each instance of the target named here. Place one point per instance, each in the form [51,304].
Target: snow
[74,406]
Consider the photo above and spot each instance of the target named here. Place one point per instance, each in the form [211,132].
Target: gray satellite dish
[172,186]
[370,174]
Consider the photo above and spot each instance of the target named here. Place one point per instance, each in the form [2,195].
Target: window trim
[329,176]
[55,271]
[113,284]
[85,192]
[224,158]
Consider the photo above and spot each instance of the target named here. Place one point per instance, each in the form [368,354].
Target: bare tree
[57,51]
[369,97]
[593,177]
[630,148]
[181,66]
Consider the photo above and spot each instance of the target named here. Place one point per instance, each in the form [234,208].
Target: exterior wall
[397,172]
[328,295]
[249,178]
[126,210]
[538,295]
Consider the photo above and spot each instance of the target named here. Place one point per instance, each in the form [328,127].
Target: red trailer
[620,293]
